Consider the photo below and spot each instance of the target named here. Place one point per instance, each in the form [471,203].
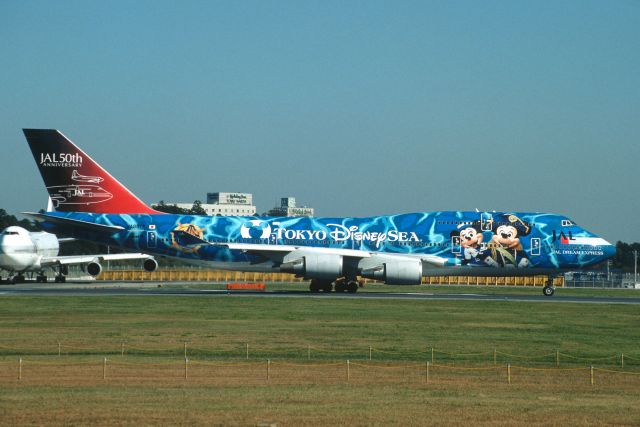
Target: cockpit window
[10,233]
[567,223]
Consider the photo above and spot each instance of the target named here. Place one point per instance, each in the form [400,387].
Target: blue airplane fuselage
[479,243]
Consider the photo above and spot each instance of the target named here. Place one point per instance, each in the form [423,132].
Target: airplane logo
[254,227]
[78,194]
[85,178]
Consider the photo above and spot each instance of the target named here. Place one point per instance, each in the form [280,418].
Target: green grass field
[69,389]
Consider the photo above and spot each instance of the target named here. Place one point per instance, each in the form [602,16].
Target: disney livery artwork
[330,252]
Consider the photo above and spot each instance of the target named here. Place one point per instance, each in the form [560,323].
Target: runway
[160,289]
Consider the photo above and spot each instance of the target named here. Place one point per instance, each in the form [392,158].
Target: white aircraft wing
[277,252]
[84,259]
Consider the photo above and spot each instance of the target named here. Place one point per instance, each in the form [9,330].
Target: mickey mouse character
[505,248]
[470,240]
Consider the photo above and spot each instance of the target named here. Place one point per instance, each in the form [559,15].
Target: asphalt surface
[158,289]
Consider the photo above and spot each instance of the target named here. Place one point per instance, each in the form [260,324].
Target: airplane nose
[609,251]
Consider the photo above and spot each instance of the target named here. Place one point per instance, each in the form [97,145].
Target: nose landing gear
[549,289]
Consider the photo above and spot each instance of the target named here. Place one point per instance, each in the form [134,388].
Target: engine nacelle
[403,271]
[313,266]
[94,268]
[150,264]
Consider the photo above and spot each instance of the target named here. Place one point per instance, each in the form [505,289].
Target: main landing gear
[318,285]
[18,278]
[63,270]
[548,289]
[350,286]
[341,285]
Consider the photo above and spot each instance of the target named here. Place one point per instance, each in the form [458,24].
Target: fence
[599,279]
[249,363]
[308,353]
[124,370]
[237,276]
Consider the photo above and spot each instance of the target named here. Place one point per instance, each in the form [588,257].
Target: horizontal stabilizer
[73,223]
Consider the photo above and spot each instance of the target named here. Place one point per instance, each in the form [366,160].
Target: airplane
[22,251]
[332,253]
[75,176]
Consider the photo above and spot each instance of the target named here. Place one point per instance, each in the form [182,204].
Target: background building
[288,208]
[222,204]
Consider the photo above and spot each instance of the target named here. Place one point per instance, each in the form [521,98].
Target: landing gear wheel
[352,287]
[340,287]
[60,279]
[313,286]
[19,279]
[548,290]
[316,286]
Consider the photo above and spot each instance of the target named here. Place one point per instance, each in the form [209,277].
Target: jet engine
[401,271]
[313,266]
[94,268]
[150,264]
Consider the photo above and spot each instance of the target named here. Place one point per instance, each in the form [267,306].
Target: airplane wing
[277,252]
[84,259]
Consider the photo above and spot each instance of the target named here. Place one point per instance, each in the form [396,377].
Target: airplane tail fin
[75,182]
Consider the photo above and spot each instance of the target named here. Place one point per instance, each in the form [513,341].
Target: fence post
[186,364]
[247,351]
[59,348]
[426,376]
[122,349]
[622,360]
[369,352]
[348,371]
[591,374]
[494,357]
[509,373]
[432,355]
[268,369]
[20,368]
[557,358]
[185,350]
[104,369]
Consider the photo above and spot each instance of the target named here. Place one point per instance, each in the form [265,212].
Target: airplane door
[535,246]
[485,221]
[456,247]
[152,239]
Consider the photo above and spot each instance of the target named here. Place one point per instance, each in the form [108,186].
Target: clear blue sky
[356,108]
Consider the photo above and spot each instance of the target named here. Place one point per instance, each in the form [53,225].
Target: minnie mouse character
[470,241]
[505,248]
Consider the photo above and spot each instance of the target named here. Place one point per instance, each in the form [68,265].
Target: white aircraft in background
[22,251]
